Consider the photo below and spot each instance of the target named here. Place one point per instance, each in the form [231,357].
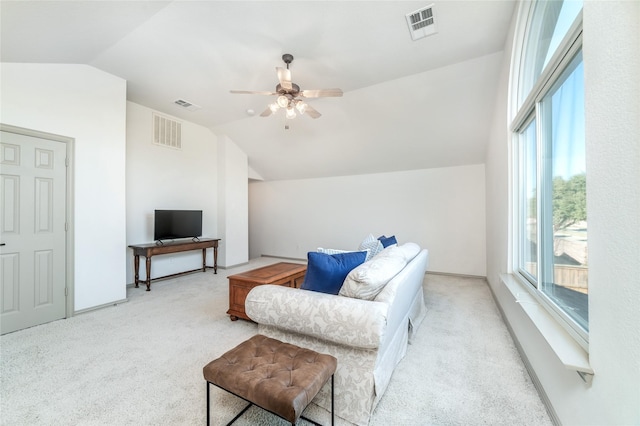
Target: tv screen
[173,224]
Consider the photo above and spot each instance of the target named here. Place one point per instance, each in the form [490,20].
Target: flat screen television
[174,224]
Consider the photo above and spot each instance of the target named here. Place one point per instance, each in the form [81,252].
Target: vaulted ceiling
[406,105]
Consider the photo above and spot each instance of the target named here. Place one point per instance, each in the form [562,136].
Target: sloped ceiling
[406,105]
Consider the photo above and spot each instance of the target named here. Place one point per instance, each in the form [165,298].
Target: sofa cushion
[408,250]
[371,244]
[368,279]
[326,272]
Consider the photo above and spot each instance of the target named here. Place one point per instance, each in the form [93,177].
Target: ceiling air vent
[188,105]
[421,22]
[167,132]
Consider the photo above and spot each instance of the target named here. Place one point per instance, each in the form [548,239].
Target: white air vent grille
[188,105]
[183,103]
[421,22]
[167,132]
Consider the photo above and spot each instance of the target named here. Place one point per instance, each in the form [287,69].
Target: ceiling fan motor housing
[295,89]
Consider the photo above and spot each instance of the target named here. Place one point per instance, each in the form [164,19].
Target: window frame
[519,205]
[523,112]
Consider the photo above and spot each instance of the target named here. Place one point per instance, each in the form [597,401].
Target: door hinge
[66,161]
[66,291]
[66,227]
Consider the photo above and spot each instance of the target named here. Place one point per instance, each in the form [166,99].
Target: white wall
[497,173]
[442,210]
[166,178]
[612,76]
[88,105]
[233,205]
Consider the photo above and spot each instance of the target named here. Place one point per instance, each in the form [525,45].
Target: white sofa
[368,337]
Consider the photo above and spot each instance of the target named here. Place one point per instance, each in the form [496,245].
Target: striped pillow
[373,245]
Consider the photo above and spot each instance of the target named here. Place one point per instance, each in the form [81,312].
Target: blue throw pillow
[387,241]
[326,272]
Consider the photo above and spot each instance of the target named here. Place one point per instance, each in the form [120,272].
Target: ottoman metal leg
[250,404]
[332,408]
[209,405]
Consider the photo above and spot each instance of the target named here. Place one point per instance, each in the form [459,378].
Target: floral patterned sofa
[368,337]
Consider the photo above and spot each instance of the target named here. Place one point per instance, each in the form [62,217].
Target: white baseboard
[284,257]
[453,274]
[106,305]
[527,365]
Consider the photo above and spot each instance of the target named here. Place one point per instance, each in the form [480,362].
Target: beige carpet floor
[140,362]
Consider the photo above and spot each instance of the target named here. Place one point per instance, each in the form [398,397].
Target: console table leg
[204,259]
[148,282]
[215,259]
[136,266]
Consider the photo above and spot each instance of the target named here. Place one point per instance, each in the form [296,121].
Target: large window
[550,176]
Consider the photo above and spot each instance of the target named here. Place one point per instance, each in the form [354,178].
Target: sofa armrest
[342,320]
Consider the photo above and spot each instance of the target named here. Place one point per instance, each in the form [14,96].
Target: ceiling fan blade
[312,112]
[321,93]
[267,112]
[284,76]
[252,92]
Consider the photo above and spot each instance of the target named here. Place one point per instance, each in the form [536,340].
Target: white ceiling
[407,104]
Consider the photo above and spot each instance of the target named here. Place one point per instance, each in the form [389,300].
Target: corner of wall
[233,202]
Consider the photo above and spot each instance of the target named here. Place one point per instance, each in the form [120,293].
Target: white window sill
[568,351]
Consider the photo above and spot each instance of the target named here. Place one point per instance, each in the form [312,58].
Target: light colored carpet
[140,362]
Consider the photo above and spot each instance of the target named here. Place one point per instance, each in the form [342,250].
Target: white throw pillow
[337,251]
[368,279]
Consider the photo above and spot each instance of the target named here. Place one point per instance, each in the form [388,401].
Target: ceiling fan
[290,97]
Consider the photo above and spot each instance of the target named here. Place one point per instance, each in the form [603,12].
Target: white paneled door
[32,231]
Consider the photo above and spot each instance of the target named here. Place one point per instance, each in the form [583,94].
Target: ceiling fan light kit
[288,94]
[283,101]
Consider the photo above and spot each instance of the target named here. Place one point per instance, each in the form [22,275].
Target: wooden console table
[152,249]
[283,273]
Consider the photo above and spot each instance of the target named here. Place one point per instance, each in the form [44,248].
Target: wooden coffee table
[283,273]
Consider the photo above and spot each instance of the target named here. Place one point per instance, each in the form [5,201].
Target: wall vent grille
[422,22]
[167,132]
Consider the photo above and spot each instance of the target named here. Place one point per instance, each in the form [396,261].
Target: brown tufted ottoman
[279,377]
